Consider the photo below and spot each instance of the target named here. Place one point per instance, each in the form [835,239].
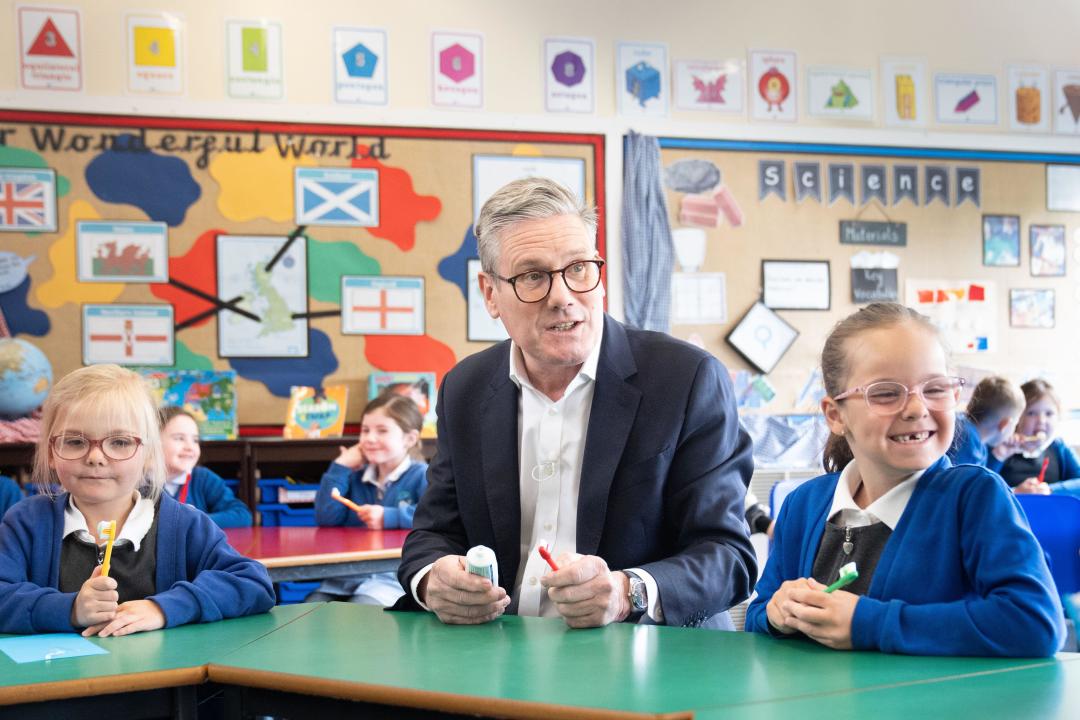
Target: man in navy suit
[619,449]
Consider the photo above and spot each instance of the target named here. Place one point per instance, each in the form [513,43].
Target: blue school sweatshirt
[967,448]
[209,493]
[10,493]
[199,576]
[399,501]
[961,573]
[1066,460]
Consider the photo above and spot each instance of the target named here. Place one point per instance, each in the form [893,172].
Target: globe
[25,378]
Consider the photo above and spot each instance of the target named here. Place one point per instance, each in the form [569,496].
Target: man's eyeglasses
[76,447]
[889,398]
[532,286]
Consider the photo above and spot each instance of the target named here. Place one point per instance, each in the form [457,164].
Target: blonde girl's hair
[993,397]
[121,399]
[403,411]
[836,365]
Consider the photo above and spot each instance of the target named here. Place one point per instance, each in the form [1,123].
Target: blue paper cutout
[455,268]
[53,646]
[280,374]
[21,318]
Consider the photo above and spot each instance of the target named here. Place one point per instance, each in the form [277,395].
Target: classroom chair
[1055,520]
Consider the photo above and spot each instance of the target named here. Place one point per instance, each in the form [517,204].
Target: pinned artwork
[128,334]
[903,83]
[1001,240]
[254,60]
[1031,308]
[1066,103]
[155,54]
[964,310]
[714,85]
[1048,250]
[840,93]
[50,49]
[382,305]
[1028,98]
[642,79]
[360,66]
[457,65]
[569,75]
[27,200]
[966,99]
[131,252]
[773,88]
[762,337]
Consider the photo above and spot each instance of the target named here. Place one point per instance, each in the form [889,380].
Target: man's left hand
[586,593]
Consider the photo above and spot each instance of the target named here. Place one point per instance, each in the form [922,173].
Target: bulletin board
[294,254]
[754,204]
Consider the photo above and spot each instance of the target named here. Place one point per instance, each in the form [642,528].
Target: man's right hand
[458,597]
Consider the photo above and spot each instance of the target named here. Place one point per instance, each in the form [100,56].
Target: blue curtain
[648,254]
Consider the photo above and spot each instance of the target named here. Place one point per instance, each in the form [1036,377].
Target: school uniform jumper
[209,493]
[961,573]
[198,576]
[1063,472]
[10,493]
[967,448]
[399,500]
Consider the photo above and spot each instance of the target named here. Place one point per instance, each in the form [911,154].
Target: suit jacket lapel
[500,477]
[614,407]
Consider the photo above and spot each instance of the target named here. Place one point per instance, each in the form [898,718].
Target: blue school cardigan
[967,448]
[209,493]
[188,542]
[399,502]
[10,493]
[1066,460]
[961,573]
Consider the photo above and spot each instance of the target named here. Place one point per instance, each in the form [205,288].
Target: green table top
[185,648]
[525,666]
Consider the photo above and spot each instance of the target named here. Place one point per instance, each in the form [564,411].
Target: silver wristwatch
[638,594]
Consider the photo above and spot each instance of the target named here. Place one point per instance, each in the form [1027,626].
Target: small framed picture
[762,337]
[795,284]
[1001,240]
[1031,308]
[1048,250]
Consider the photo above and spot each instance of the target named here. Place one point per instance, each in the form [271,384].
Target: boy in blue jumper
[170,564]
[947,564]
[992,411]
[378,475]
[191,483]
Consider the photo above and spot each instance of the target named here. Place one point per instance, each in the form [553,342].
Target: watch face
[637,595]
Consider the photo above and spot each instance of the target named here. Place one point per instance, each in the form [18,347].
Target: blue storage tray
[275,515]
[284,492]
[290,593]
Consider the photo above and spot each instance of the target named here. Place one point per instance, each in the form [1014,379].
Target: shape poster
[641,79]
[254,60]
[840,93]
[50,49]
[382,305]
[903,85]
[569,75]
[1028,98]
[360,66]
[155,54]
[964,310]
[715,85]
[773,85]
[262,281]
[1066,103]
[457,70]
[127,334]
[132,252]
[966,99]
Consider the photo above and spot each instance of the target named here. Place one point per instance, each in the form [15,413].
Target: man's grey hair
[532,198]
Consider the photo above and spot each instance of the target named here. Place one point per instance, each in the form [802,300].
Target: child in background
[191,483]
[170,565]
[992,411]
[10,493]
[946,562]
[1020,459]
[378,475]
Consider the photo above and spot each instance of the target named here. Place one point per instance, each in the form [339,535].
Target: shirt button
[552,411]
[532,581]
[549,527]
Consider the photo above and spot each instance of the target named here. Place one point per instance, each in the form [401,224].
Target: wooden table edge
[107,685]
[329,558]
[422,699]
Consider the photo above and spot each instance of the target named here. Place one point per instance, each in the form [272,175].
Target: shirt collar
[134,530]
[371,473]
[520,377]
[887,509]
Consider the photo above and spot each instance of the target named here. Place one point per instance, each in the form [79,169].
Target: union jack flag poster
[27,200]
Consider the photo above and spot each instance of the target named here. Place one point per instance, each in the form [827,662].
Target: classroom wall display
[361,66]
[254,67]
[1001,240]
[420,386]
[1066,104]
[156,53]
[840,93]
[713,85]
[569,75]
[457,70]
[122,251]
[481,327]
[966,99]
[795,284]
[50,48]
[1028,98]
[1031,308]
[964,311]
[1062,188]
[641,79]
[942,240]
[903,85]
[762,337]
[1048,250]
[773,85]
[209,395]
[251,290]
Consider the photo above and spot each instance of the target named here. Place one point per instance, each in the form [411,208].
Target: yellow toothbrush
[107,529]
